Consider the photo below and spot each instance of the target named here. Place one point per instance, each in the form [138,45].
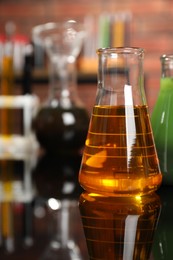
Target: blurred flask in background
[162,119]
[61,124]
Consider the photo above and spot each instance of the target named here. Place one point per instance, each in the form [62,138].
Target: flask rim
[166,57]
[121,50]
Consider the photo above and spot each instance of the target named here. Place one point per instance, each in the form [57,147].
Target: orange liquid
[121,228]
[119,155]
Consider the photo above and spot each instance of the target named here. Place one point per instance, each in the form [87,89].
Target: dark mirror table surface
[28,224]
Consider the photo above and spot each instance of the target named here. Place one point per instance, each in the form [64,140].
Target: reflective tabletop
[43,212]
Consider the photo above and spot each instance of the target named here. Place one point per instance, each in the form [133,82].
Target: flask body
[161,119]
[60,130]
[120,156]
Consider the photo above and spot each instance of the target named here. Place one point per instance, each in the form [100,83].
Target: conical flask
[162,119]
[120,156]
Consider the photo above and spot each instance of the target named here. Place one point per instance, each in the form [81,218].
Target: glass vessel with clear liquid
[119,157]
[61,124]
[161,119]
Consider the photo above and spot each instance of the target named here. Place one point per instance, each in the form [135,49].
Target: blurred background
[28,184]
[150,26]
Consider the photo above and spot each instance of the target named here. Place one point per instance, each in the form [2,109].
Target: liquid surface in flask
[119,155]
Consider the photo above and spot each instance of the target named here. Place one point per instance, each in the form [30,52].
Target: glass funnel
[61,125]
[120,156]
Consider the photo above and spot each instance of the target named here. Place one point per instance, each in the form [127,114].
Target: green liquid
[162,123]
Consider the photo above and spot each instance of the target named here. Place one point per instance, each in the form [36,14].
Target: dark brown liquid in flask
[121,228]
[61,130]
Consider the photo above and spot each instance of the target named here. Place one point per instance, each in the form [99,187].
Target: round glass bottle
[119,156]
[161,119]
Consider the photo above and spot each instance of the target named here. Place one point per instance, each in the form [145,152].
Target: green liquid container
[162,120]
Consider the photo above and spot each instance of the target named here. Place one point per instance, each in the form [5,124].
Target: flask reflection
[121,227]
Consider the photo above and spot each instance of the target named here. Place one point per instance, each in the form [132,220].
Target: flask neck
[120,76]
[166,66]
[63,83]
